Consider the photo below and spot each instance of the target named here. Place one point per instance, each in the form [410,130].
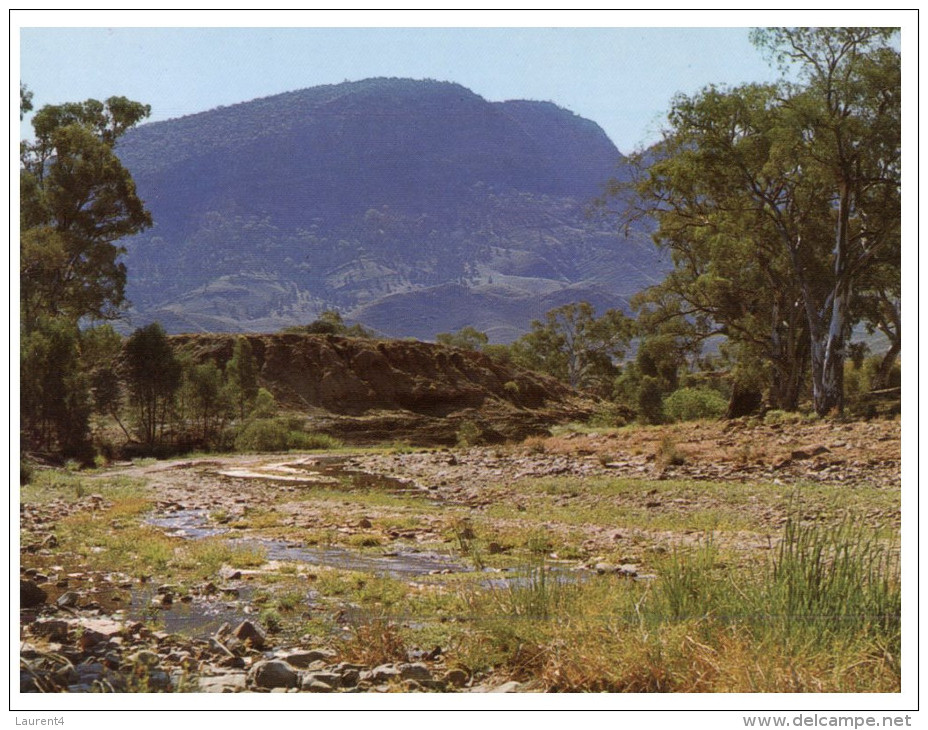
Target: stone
[455,677]
[96,631]
[417,671]
[303,659]
[51,629]
[250,633]
[30,595]
[219,648]
[507,687]
[68,599]
[313,685]
[272,674]
[378,675]
[223,683]
[144,658]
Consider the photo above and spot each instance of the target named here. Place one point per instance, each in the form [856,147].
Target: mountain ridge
[341,196]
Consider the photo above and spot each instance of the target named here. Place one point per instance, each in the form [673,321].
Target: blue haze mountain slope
[414,207]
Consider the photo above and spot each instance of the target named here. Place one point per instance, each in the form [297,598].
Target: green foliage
[469,434]
[499,353]
[660,357]
[467,338]
[242,374]
[650,400]
[263,434]
[154,375]
[76,201]
[210,400]
[690,404]
[55,401]
[575,346]
[330,322]
[265,406]
[280,434]
[780,207]
[310,441]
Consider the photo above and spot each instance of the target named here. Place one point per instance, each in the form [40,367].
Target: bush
[303,440]
[26,472]
[690,404]
[650,402]
[783,418]
[469,434]
[263,434]
[281,434]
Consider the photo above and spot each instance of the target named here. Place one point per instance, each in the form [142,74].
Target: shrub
[469,434]
[611,415]
[650,402]
[776,417]
[690,404]
[303,440]
[263,434]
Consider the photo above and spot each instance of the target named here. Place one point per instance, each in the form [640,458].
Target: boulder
[250,633]
[30,595]
[272,674]
[223,683]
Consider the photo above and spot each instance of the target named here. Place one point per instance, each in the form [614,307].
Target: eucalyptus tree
[76,202]
[780,202]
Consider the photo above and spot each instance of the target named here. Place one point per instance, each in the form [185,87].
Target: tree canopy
[780,204]
[76,201]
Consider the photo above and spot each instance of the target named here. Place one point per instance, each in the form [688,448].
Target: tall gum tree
[781,199]
[841,133]
[76,202]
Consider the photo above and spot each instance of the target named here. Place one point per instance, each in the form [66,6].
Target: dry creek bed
[77,638]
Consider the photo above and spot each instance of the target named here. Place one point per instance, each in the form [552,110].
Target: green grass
[823,615]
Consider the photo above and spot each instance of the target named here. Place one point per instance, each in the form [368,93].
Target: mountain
[414,207]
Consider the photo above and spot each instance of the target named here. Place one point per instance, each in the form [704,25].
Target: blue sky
[623,78]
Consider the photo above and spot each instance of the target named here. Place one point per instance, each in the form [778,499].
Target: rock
[329,680]
[68,599]
[232,682]
[312,685]
[381,674]
[302,659]
[507,687]
[52,629]
[144,658]
[273,673]
[417,671]
[30,595]
[455,677]
[250,633]
[95,631]
[217,647]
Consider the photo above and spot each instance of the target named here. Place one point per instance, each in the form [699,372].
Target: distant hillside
[414,207]
[373,391]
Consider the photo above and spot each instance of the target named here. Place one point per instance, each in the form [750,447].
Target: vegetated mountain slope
[374,390]
[374,198]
